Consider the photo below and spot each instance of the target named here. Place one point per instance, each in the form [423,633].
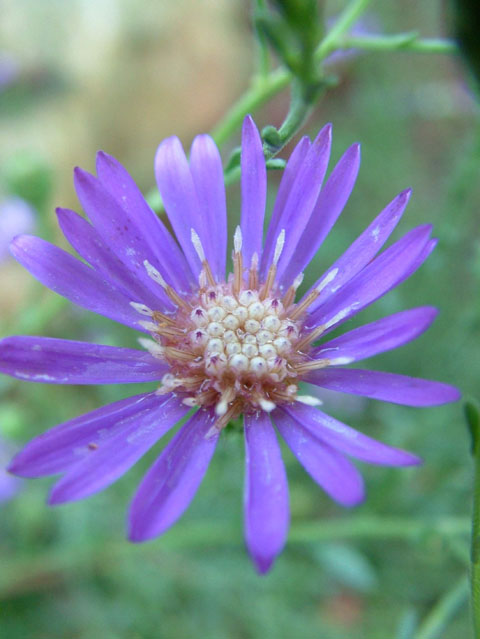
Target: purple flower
[225,347]
[9,485]
[16,216]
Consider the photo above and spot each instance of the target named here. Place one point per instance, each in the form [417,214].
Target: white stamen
[151,327]
[237,240]
[154,274]
[214,345]
[231,322]
[248,297]
[215,329]
[189,401]
[340,315]
[309,400]
[197,245]
[268,351]
[142,308]
[327,279]
[281,344]
[252,326]
[152,347]
[279,246]
[271,323]
[341,361]
[297,281]
[258,365]
[239,362]
[216,314]
[256,310]
[254,261]
[266,405]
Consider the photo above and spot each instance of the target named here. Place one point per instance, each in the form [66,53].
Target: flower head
[224,346]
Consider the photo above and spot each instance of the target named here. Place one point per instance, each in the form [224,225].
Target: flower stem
[434,623]
[399,42]
[475,548]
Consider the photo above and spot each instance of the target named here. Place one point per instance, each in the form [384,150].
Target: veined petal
[266,492]
[59,361]
[329,205]
[177,189]
[116,227]
[91,247]
[377,337]
[254,190]
[363,250]
[380,276]
[303,195]
[207,174]
[67,444]
[76,281]
[347,440]
[163,251]
[388,387]
[330,469]
[287,183]
[113,456]
[171,483]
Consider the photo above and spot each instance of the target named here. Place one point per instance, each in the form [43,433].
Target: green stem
[434,623]
[475,548]
[399,42]
[267,85]
[378,527]
[346,19]
[261,91]
[202,535]
[263,53]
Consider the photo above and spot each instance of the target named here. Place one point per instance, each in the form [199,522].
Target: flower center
[237,346]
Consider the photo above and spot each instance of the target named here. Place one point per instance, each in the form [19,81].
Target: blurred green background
[120,75]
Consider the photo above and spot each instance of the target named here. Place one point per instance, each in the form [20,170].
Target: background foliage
[121,75]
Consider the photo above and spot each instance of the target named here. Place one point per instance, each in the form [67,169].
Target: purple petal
[364,249]
[69,277]
[376,279]
[266,492]
[89,245]
[380,336]
[329,205]
[177,189]
[59,361]
[117,229]
[163,252]
[303,195]
[388,387]
[65,445]
[331,470]
[207,174]
[171,483]
[125,444]
[254,190]
[347,440]
[16,217]
[287,183]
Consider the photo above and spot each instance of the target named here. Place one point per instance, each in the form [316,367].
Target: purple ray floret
[221,345]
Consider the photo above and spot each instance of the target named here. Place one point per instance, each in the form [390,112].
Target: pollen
[233,346]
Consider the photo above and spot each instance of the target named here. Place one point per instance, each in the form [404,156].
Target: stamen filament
[253,273]
[237,262]
[310,337]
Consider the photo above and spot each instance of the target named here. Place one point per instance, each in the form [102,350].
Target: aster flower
[16,216]
[223,346]
[9,485]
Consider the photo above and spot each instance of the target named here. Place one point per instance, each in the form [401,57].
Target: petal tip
[263,564]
